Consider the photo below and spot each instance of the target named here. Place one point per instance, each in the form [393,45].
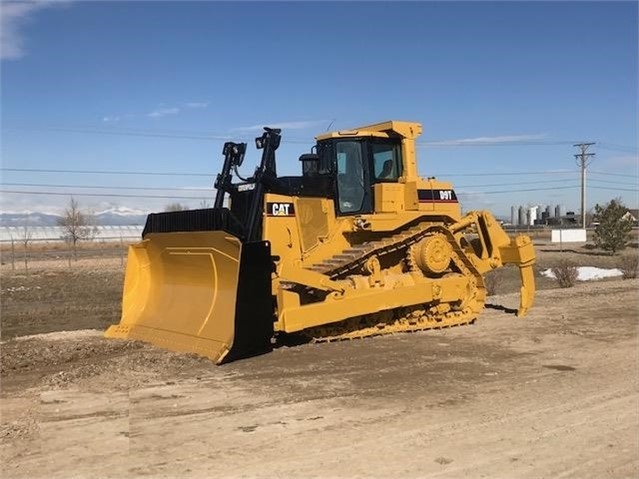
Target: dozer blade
[200,292]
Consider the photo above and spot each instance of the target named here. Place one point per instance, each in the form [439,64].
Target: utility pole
[583,161]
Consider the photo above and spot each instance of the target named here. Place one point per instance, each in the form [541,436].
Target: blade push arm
[493,248]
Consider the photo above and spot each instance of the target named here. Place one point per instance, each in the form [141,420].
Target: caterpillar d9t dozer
[356,246]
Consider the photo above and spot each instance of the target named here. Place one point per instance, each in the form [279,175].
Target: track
[406,319]
[353,259]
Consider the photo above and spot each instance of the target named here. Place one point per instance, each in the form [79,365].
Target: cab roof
[388,129]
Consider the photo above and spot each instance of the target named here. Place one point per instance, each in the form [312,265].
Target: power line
[612,182]
[119,187]
[538,182]
[147,134]
[184,135]
[476,144]
[614,147]
[158,173]
[613,174]
[186,188]
[151,134]
[208,197]
[193,174]
[519,173]
[30,192]
[518,190]
[99,195]
[172,197]
[635,190]
[104,172]
[147,188]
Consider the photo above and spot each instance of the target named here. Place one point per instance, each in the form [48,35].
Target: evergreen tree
[613,232]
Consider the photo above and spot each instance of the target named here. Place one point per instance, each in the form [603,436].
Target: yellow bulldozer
[358,245]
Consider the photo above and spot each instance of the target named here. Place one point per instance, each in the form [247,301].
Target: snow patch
[587,273]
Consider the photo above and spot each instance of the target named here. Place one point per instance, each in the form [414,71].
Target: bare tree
[25,237]
[13,254]
[77,225]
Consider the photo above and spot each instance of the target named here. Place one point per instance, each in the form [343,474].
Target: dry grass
[629,266]
[56,256]
[35,246]
[566,273]
[36,266]
[57,292]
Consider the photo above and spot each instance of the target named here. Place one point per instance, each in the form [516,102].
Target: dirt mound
[71,358]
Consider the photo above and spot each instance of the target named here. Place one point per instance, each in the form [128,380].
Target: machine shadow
[499,307]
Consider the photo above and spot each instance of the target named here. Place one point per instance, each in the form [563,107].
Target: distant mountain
[111,217]
[28,219]
[120,216]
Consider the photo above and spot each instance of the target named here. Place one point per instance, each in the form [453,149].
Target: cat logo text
[280,209]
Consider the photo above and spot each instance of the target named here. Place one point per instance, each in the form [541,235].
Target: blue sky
[503,90]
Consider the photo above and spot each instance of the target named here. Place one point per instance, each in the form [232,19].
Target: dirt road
[552,395]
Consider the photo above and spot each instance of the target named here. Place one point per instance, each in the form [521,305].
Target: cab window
[387,161]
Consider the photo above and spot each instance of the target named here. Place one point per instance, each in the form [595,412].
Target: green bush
[566,273]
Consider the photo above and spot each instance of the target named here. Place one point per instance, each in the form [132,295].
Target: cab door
[354,194]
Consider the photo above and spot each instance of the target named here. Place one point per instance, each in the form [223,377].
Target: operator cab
[355,164]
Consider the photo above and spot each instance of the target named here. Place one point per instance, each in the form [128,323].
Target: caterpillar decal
[280,209]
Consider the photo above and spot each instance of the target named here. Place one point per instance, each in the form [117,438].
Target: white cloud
[13,18]
[285,125]
[197,104]
[159,112]
[162,111]
[488,140]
